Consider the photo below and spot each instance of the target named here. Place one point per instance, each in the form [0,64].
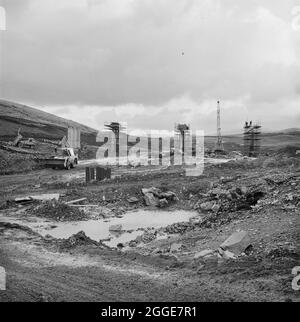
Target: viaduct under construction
[252,138]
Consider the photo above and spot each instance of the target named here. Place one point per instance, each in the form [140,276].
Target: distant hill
[34,123]
[42,125]
[291,131]
[269,140]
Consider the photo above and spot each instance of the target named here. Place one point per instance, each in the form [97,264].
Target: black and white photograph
[149,153]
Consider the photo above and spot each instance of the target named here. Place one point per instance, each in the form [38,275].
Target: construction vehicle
[29,144]
[17,140]
[64,158]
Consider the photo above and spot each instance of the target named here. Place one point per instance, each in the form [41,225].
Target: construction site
[75,227]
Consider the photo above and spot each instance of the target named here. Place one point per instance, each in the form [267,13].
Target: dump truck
[64,158]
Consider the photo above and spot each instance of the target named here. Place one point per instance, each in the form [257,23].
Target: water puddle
[132,222]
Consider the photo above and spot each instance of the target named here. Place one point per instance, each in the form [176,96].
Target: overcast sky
[151,63]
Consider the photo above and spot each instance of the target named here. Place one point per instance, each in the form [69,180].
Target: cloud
[153,62]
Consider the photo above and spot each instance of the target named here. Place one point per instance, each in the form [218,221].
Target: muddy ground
[44,269]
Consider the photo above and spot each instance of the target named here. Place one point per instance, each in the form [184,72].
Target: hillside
[34,123]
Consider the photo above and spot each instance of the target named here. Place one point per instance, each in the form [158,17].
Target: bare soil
[39,270]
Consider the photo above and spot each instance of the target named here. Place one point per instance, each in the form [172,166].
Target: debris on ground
[57,210]
[208,206]
[226,254]
[75,201]
[283,251]
[175,247]
[148,236]
[83,206]
[133,200]
[30,199]
[46,196]
[197,220]
[156,198]
[262,202]
[115,228]
[237,243]
[24,200]
[79,239]
[204,253]
[236,198]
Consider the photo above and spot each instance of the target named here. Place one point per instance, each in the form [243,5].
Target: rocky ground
[256,203]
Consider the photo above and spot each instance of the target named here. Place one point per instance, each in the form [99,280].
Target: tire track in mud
[35,274]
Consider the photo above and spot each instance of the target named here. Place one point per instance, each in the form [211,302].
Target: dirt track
[37,178]
[38,271]
[49,276]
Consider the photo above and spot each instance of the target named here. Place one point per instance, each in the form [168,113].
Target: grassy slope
[33,122]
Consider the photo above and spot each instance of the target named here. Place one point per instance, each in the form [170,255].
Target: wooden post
[92,173]
[99,174]
[87,175]
[108,173]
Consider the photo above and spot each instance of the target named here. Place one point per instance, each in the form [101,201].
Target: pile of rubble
[79,239]
[284,192]
[179,228]
[289,201]
[233,199]
[148,236]
[157,198]
[58,211]
[280,189]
